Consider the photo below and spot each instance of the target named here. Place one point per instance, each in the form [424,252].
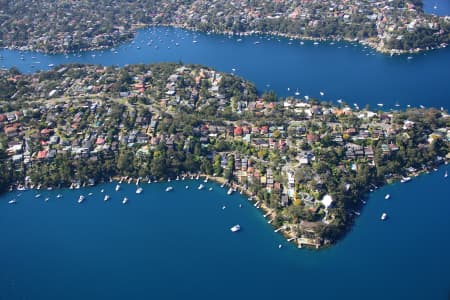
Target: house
[42,154]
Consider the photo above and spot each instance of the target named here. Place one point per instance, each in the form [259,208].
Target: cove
[345,71]
[178,245]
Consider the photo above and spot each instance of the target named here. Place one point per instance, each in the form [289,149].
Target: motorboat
[117,188]
[125,200]
[387,196]
[235,228]
[169,188]
[81,199]
[383,216]
[139,190]
[106,198]
[405,179]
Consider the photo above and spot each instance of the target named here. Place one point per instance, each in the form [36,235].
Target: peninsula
[308,165]
[390,26]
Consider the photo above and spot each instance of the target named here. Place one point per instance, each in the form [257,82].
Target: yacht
[387,196]
[201,186]
[106,198]
[235,228]
[405,179]
[384,216]
[81,199]
[12,201]
[230,191]
[139,190]
[117,188]
[125,200]
[169,188]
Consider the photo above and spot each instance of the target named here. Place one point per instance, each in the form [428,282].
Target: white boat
[106,198]
[12,201]
[280,246]
[139,190]
[387,196]
[37,195]
[81,199]
[235,228]
[117,188]
[125,200]
[445,174]
[201,186]
[59,196]
[210,189]
[230,191]
[206,180]
[46,199]
[223,207]
[384,216]
[405,179]
[322,94]
[169,188]
[102,191]
[90,194]
[187,187]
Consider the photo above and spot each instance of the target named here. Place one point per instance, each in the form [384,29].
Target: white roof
[327,200]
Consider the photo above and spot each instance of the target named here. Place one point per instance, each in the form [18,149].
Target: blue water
[342,71]
[437,7]
[178,245]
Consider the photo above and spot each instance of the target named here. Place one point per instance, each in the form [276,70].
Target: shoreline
[373,45]
[268,213]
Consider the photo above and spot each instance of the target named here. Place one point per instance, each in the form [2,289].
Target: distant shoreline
[368,43]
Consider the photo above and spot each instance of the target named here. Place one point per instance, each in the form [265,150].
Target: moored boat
[235,228]
[81,199]
[12,201]
[117,188]
[169,188]
[201,186]
[125,200]
[383,216]
[139,190]
[106,198]
[387,196]
[230,191]
[405,179]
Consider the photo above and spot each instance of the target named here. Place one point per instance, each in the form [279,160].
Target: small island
[389,26]
[308,165]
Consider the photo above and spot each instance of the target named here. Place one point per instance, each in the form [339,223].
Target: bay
[172,245]
[345,71]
